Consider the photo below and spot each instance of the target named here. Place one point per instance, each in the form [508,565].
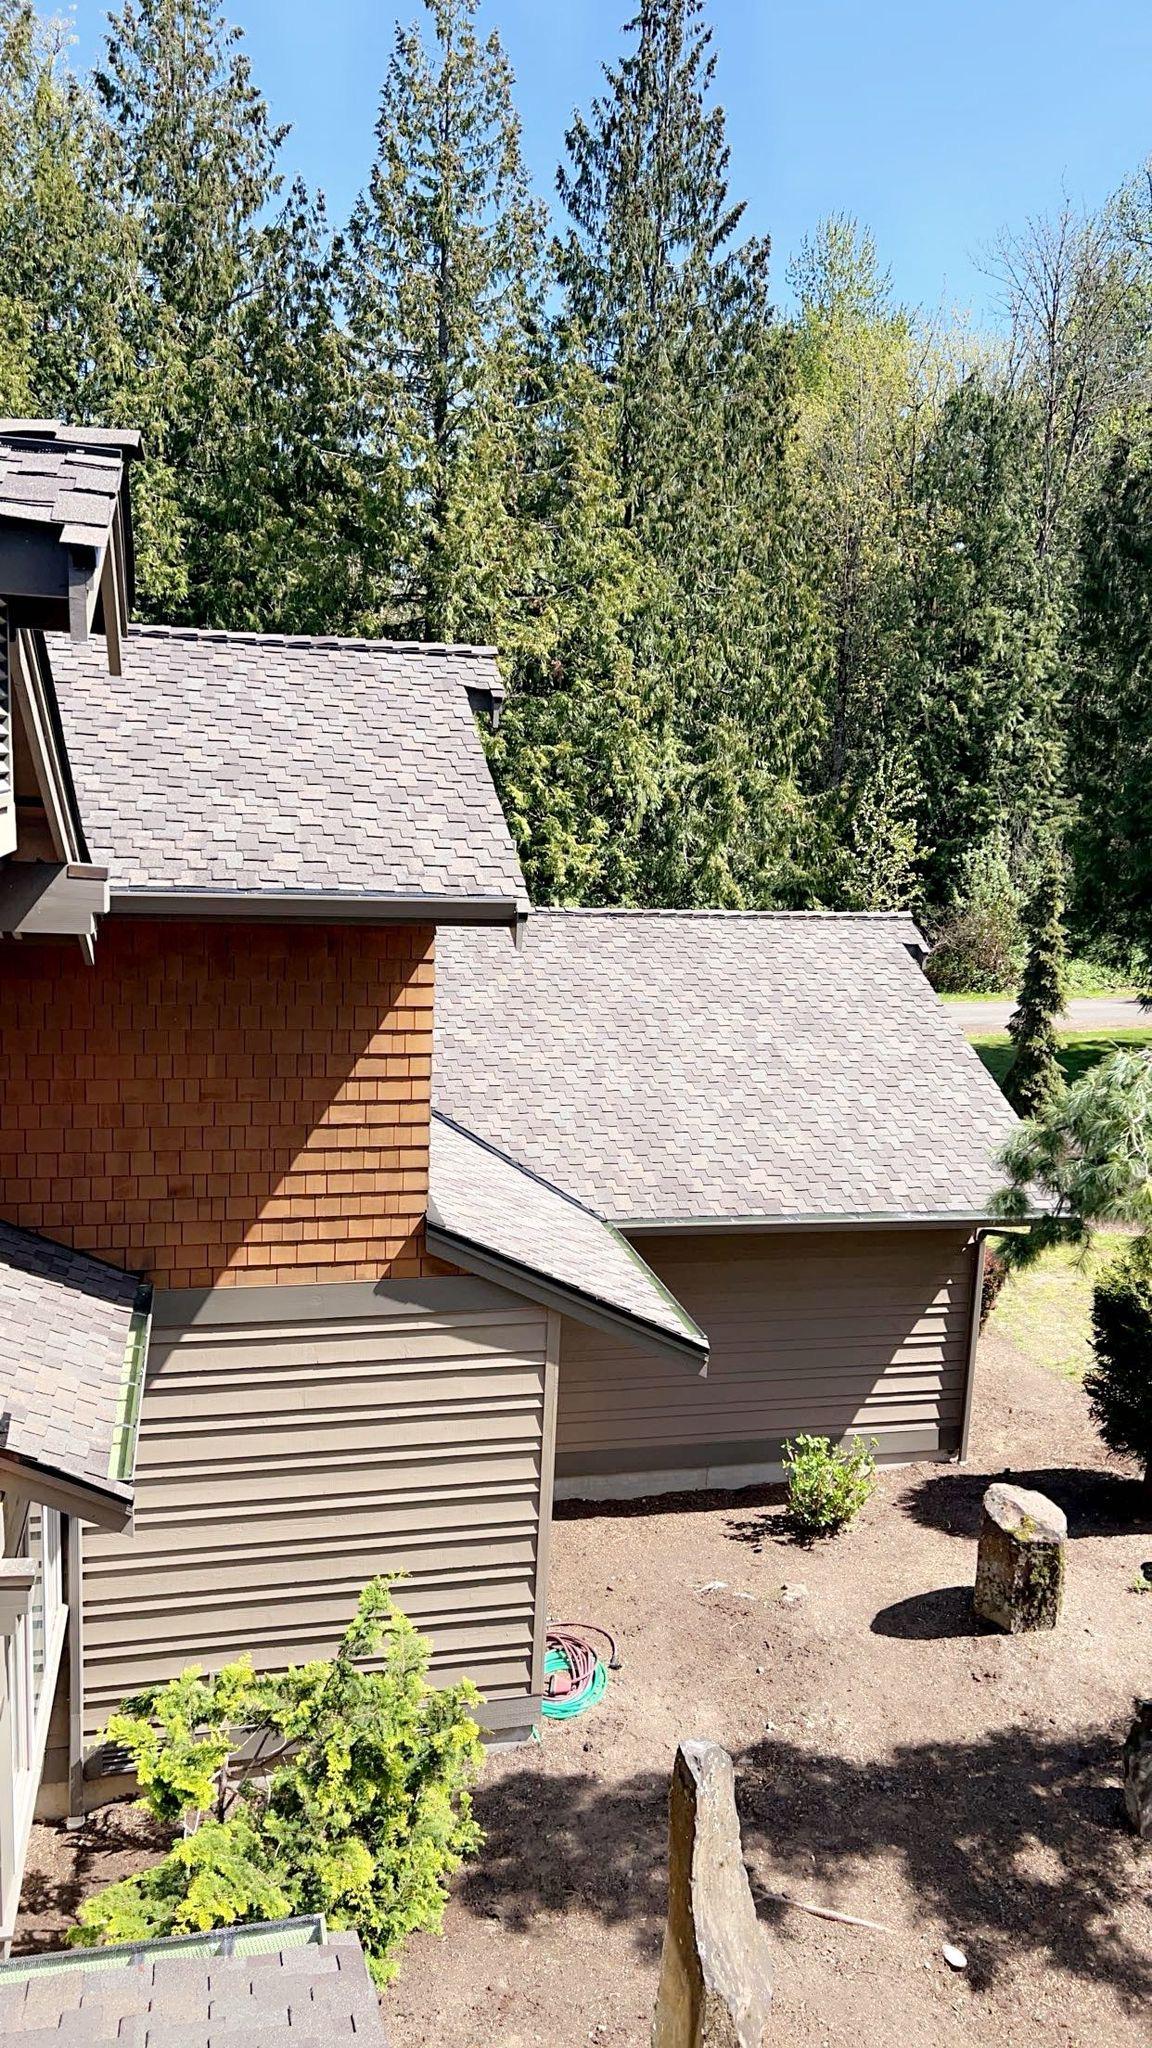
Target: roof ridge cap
[780,916]
[317,641]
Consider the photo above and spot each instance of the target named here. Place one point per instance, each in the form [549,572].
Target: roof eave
[570,1301]
[319,906]
[973,1218]
[107,1507]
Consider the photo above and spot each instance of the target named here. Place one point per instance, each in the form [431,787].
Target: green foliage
[827,1485]
[352,1798]
[1113,702]
[1119,1386]
[674,309]
[1034,1078]
[977,943]
[442,281]
[819,610]
[218,1876]
[1084,1162]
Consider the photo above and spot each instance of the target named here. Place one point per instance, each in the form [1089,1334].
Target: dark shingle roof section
[484,1200]
[685,1066]
[245,766]
[304,1996]
[70,1332]
[57,484]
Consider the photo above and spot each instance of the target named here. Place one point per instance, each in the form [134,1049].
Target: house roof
[258,1984]
[494,1217]
[73,1342]
[719,1067]
[232,773]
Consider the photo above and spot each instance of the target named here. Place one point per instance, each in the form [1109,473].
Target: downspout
[981,1237]
[975,1304]
[76,1803]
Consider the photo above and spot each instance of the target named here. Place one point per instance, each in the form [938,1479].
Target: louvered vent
[7,777]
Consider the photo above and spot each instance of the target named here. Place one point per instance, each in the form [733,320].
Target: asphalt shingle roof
[718,1065]
[47,482]
[304,1996]
[67,1328]
[256,765]
[479,1196]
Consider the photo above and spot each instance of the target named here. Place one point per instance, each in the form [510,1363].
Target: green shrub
[827,1486]
[351,1798]
[977,944]
[1119,1386]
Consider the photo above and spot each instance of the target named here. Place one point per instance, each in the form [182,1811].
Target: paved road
[1084,1013]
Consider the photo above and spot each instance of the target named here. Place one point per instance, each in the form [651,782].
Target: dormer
[66,565]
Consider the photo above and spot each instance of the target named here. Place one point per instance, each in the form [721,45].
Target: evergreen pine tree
[1112,705]
[229,297]
[443,288]
[678,319]
[1034,1076]
[65,263]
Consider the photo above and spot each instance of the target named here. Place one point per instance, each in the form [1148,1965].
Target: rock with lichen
[1020,1565]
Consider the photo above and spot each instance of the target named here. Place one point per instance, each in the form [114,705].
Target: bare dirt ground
[892,1760]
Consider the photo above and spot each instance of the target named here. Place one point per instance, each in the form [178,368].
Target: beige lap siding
[825,1331]
[283,1462]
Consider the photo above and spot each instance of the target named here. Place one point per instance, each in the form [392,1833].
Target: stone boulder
[1020,1565]
[714,1989]
[1138,1770]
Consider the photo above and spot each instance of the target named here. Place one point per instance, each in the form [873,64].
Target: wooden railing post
[715,1988]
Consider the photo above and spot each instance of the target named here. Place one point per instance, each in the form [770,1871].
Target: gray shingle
[158,1998]
[682,1065]
[484,1199]
[239,764]
[66,1322]
[56,483]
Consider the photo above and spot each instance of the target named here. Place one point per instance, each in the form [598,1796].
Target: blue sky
[935,122]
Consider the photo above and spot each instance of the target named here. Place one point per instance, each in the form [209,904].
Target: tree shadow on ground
[568,1844]
[930,1617]
[114,1841]
[1014,1842]
[1096,1502]
[774,1524]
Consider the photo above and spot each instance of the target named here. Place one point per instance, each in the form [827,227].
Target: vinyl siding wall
[285,1460]
[825,1331]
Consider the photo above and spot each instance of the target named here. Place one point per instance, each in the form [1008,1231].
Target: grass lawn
[1079,1050]
[1044,1312]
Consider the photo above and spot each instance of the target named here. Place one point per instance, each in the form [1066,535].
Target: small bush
[1119,1386]
[356,1803]
[827,1486]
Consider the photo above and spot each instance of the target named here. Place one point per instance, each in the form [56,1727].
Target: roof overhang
[568,1301]
[74,572]
[651,1226]
[105,1507]
[41,898]
[319,907]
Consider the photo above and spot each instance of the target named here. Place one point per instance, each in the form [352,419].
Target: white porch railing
[33,1619]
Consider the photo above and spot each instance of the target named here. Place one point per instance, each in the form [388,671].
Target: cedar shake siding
[222,1104]
[831,1332]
